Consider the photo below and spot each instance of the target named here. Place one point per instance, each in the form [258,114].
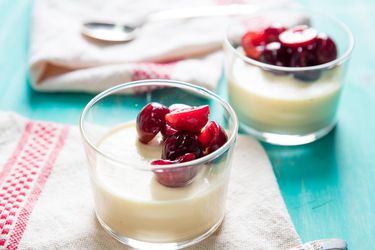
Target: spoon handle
[208,11]
[323,244]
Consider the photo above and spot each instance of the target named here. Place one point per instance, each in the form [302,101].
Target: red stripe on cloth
[144,71]
[8,166]
[23,182]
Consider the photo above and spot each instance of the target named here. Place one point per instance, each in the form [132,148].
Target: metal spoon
[323,244]
[117,32]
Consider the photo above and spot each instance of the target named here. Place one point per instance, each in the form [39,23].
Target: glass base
[137,244]
[285,139]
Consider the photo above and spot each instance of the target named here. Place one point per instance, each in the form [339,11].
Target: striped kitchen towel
[61,59]
[46,200]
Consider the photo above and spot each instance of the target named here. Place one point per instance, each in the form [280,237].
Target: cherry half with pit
[187,135]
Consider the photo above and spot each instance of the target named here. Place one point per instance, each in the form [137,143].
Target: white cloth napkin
[61,59]
[46,200]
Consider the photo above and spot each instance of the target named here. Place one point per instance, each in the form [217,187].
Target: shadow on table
[312,161]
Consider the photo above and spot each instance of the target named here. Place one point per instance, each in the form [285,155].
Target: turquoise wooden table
[328,186]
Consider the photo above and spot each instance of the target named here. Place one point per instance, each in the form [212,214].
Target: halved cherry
[178,176]
[212,137]
[150,121]
[252,43]
[301,35]
[190,119]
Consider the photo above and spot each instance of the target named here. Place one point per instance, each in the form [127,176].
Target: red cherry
[301,35]
[183,158]
[175,177]
[275,54]
[303,57]
[252,43]
[180,144]
[326,50]
[189,119]
[212,137]
[167,131]
[272,32]
[150,121]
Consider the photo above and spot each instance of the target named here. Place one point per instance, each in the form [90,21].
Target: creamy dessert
[155,206]
[282,102]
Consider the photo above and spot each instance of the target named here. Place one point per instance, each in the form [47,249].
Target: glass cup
[285,105]
[130,203]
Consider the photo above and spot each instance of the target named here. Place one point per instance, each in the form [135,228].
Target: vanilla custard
[133,204]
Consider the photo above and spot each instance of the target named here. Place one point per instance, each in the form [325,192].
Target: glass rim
[171,83]
[266,66]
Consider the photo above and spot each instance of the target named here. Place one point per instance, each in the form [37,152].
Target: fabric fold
[62,59]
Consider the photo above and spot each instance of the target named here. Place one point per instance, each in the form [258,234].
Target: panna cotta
[159,175]
[284,100]
[282,104]
[146,200]
[134,204]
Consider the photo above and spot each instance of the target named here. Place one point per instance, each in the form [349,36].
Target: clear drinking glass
[130,203]
[285,105]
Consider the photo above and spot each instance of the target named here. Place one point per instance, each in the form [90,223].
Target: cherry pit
[187,135]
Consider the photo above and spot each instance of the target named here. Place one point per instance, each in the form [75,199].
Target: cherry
[189,119]
[180,144]
[252,43]
[175,177]
[167,131]
[183,158]
[275,54]
[212,137]
[301,35]
[326,50]
[303,57]
[150,121]
[272,32]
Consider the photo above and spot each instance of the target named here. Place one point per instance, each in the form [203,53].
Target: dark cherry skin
[150,121]
[175,177]
[326,50]
[180,144]
[276,54]
[212,137]
[190,119]
[273,31]
[303,56]
[167,131]
[183,158]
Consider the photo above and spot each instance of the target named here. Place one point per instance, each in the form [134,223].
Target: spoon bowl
[111,32]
